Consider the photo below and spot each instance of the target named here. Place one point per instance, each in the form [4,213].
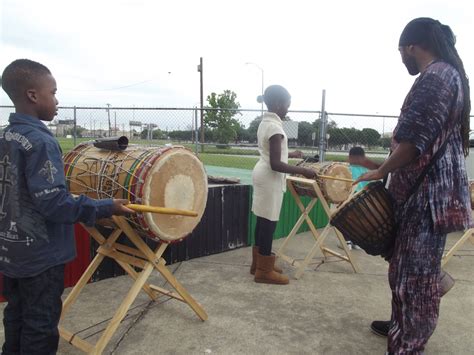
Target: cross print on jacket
[5,182]
[48,170]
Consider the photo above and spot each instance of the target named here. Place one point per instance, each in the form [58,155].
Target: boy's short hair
[21,75]
[357,151]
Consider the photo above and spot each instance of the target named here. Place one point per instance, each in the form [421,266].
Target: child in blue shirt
[356,158]
[37,213]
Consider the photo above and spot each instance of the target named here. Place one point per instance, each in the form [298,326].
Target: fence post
[322,129]
[75,126]
[196,130]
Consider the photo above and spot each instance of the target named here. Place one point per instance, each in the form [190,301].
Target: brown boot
[275,267]
[265,272]
[446,282]
[253,267]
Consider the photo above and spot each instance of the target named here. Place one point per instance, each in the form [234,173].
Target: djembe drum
[170,177]
[367,219]
[334,191]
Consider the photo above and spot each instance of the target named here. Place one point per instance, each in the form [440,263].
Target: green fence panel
[288,216]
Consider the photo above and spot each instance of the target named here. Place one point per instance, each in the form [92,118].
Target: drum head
[336,190]
[176,180]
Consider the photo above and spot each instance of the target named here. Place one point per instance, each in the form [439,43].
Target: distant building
[62,127]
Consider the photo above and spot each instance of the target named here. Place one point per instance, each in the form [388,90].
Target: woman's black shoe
[380,327]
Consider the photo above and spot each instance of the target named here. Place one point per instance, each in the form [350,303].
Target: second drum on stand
[335,191]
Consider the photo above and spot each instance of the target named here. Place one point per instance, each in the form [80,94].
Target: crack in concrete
[149,305]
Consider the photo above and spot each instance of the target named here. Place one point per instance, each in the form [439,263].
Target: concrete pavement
[327,311]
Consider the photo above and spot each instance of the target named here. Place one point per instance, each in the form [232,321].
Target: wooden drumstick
[161,210]
[334,178]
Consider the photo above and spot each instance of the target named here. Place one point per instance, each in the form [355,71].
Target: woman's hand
[370,176]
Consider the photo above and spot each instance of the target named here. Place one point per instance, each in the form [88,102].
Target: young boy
[36,213]
[357,165]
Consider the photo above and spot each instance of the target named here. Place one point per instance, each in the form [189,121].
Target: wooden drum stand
[318,238]
[128,258]
[468,235]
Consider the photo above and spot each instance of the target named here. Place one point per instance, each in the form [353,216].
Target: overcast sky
[145,53]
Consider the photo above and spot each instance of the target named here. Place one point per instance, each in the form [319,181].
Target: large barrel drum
[158,176]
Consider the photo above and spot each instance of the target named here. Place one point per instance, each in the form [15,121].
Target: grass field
[67,144]
[230,157]
[228,161]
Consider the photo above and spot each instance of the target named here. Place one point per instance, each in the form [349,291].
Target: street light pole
[263,82]
[201,86]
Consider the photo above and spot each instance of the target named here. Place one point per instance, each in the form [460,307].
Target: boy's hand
[119,208]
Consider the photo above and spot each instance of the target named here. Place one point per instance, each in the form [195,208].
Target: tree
[180,135]
[242,134]
[370,136]
[337,138]
[305,131]
[155,134]
[385,142]
[70,131]
[220,116]
[341,137]
[317,128]
[252,130]
[331,124]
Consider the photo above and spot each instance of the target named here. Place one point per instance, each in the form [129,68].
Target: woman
[269,183]
[431,135]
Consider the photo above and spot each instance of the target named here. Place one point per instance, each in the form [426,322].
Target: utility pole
[200,70]
[108,116]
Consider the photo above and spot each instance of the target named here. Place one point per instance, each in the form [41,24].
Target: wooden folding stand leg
[128,258]
[319,238]
[468,235]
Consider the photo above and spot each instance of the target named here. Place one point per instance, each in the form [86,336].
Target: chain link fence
[229,139]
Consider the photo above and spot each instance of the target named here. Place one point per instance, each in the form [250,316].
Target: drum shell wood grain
[367,219]
[159,176]
[335,191]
